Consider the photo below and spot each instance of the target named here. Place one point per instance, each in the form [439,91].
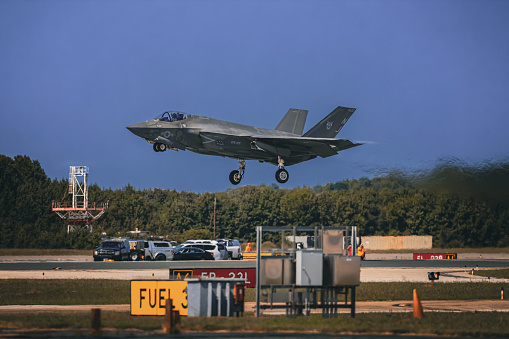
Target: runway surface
[157,265]
[380,268]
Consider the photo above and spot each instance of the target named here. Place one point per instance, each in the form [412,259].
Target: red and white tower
[79,213]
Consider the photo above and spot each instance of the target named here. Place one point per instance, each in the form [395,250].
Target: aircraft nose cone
[137,129]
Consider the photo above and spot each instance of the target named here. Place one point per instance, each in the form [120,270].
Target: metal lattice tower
[79,213]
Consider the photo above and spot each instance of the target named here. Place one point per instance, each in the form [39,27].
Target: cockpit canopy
[171,116]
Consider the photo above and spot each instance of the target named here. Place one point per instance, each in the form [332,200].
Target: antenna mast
[79,213]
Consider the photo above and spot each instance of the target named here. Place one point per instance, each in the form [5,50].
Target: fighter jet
[283,146]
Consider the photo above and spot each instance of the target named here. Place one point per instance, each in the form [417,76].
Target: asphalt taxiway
[379,267]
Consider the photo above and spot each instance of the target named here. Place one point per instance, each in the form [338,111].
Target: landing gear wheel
[235,177]
[158,147]
[282,175]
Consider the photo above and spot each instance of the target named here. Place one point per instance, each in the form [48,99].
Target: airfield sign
[148,297]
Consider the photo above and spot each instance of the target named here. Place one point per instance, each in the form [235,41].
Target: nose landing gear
[158,147]
[237,175]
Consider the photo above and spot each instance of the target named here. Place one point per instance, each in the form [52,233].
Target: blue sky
[429,79]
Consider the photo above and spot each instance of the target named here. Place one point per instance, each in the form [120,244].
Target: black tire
[160,257]
[155,147]
[97,259]
[161,147]
[134,256]
[235,177]
[230,256]
[282,175]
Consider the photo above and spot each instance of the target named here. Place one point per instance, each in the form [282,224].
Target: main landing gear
[237,175]
[282,175]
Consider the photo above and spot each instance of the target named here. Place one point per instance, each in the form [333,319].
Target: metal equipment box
[212,297]
[277,271]
[309,268]
[333,242]
[340,270]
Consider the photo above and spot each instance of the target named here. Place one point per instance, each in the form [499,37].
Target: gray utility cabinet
[309,268]
[212,297]
[340,270]
[277,271]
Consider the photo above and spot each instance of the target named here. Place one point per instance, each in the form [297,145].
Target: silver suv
[233,249]
[158,250]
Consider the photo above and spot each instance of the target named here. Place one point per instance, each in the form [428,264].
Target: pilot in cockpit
[171,116]
[165,117]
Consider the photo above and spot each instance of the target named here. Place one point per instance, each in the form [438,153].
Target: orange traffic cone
[417,306]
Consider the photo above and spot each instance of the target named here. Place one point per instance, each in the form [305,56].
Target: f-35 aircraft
[283,146]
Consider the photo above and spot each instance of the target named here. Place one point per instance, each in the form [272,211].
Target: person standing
[361,252]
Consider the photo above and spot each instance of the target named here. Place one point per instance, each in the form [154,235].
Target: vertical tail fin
[293,121]
[330,126]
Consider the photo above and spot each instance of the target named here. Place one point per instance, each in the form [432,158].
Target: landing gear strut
[237,175]
[282,175]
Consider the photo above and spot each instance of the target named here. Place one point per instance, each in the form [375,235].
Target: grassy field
[64,292]
[85,292]
[500,273]
[489,324]
[102,292]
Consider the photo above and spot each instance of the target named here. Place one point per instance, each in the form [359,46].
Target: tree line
[460,206]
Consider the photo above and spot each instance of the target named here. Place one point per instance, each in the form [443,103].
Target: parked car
[158,250]
[233,248]
[218,249]
[113,249]
[192,253]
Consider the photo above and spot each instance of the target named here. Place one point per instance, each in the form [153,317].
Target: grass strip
[380,291]
[478,324]
[64,292]
[104,292]
[500,273]
[383,291]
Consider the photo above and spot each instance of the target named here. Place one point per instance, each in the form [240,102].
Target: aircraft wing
[323,147]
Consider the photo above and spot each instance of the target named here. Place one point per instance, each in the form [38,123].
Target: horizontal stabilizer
[324,147]
[293,121]
[330,126]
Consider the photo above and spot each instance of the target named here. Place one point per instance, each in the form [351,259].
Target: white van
[158,250]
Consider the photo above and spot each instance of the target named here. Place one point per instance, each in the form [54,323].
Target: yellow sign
[181,274]
[148,297]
